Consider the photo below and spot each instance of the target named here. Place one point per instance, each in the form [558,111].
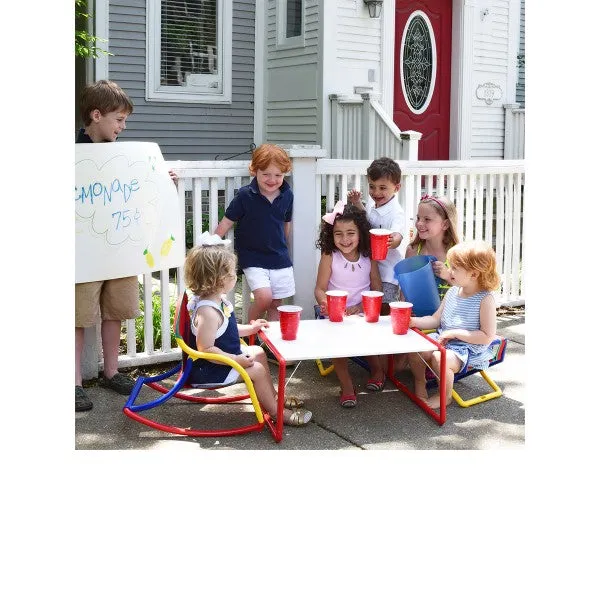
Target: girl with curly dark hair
[346,265]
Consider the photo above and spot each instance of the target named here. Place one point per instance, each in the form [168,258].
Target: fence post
[307,215]
[335,150]
[410,144]
[410,151]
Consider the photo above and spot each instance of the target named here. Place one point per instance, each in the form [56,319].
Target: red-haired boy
[263,213]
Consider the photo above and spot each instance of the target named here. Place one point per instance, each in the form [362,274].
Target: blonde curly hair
[206,269]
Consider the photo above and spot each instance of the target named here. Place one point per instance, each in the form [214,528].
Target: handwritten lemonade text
[117,191]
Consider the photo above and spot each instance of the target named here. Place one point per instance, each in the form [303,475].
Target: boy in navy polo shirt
[263,213]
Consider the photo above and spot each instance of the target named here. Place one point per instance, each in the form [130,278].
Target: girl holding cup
[346,265]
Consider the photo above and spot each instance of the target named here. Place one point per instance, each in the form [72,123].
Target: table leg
[277,432]
[441,417]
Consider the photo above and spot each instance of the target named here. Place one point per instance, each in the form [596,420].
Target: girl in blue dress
[465,320]
[210,273]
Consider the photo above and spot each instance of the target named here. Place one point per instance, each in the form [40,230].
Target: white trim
[100,31]
[259,71]
[411,18]
[388,38]
[512,73]
[281,18]
[463,12]
[156,93]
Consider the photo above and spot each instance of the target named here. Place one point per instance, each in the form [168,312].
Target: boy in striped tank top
[465,320]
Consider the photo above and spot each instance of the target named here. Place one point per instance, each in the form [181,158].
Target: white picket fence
[488,196]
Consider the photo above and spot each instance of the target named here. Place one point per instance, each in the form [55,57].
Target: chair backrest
[181,322]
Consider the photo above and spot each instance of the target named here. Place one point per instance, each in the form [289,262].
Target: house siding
[184,131]
[292,82]
[520,92]
[358,39]
[490,67]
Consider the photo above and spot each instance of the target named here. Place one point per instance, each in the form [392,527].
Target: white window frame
[157,93]
[282,40]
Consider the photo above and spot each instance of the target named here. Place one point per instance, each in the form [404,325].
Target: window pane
[293,26]
[188,40]
[417,67]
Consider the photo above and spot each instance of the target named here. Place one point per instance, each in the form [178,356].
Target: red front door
[423,48]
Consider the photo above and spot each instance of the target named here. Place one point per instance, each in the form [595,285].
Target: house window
[189,51]
[418,62]
[293,20]
[290,23]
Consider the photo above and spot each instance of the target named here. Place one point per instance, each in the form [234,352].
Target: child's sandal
[299,417]
[373,385]
[293,403]
[349,400]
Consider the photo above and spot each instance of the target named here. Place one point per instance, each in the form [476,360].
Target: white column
[101,31]
[259,72]
[388,57]
[305,222]
[509,131]
[461,99]
[512,67]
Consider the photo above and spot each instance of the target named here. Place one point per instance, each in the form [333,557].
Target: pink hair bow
[338,209]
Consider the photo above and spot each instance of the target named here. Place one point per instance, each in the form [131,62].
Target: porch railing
[361,129]
[488,196]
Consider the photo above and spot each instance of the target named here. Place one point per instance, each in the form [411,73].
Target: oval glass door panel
[418,62]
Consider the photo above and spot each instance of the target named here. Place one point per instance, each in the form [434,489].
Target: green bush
[156,325]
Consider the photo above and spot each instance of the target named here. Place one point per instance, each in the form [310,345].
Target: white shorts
[281,281]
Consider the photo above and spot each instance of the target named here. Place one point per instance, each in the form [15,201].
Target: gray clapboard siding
[292,85]
[184,131]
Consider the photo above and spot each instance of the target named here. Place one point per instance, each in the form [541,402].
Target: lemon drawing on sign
[166,246]
[149,257]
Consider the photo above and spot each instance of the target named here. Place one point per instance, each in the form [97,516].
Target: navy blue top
[259,237]
[205,371]
[83,138]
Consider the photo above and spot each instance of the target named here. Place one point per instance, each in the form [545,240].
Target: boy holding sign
[104,108]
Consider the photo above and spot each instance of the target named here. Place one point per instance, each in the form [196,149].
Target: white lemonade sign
[127,215]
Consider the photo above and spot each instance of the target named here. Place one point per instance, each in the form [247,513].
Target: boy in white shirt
[384,211]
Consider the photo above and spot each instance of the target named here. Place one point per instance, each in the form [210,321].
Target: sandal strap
[293,402]
[297,418]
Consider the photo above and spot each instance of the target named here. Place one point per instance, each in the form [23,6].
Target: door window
[418,62]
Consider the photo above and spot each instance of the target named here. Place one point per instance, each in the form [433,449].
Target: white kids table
[320,338]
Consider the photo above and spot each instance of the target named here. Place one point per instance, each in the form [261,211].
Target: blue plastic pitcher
[417,282]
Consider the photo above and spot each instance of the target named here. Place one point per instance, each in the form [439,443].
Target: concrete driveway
[385,420]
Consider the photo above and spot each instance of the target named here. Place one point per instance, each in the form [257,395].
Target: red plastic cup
[379,243]
[371,302]
[289,321]
[400,313]
[336,305]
